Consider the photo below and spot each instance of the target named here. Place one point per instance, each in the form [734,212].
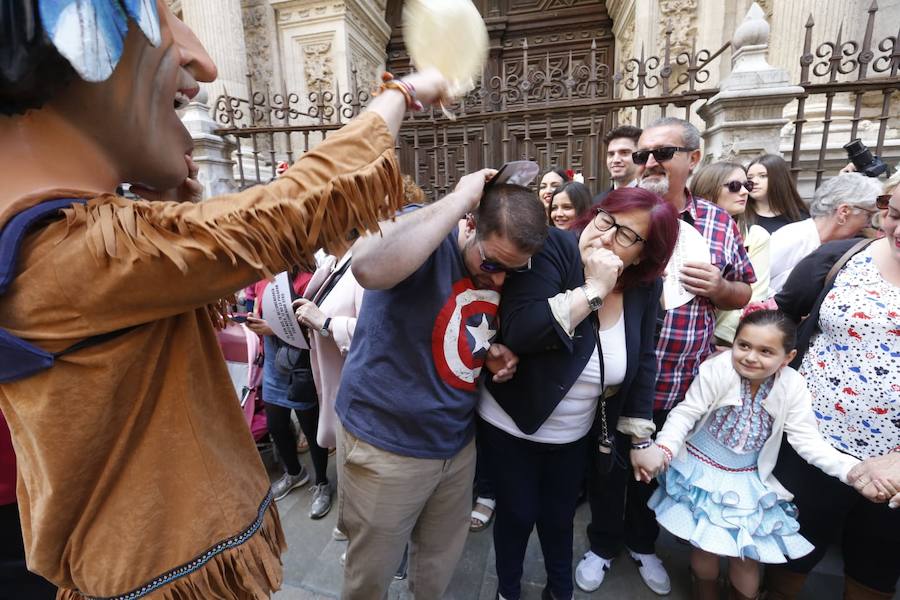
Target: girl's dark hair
[31,70]
[782,194]
[784,323]
[578,193]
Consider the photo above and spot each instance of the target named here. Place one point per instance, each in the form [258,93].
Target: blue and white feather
[90,34]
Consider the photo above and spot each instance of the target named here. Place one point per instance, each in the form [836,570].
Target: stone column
[211,152]
[220,27]
[745,118]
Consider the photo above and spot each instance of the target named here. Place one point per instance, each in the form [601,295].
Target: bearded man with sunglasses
[667,153]
[406,453]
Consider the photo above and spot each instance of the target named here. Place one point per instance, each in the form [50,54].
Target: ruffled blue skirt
[726,511]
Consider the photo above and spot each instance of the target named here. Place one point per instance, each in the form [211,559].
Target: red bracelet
[404,87]
[666,451]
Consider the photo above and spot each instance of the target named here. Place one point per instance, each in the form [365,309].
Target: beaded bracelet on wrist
[404,87]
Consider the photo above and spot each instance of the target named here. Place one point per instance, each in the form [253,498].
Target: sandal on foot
[480,519]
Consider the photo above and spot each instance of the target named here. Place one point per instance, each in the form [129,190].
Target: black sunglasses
[882,202]
[640,157]
[490,266]
[735,186]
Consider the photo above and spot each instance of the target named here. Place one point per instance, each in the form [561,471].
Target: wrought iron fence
[822,73]
[554,106]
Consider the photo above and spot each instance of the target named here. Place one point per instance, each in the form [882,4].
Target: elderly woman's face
[616,239]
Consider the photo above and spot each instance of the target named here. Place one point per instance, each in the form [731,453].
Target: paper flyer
[279,314]
[691,247]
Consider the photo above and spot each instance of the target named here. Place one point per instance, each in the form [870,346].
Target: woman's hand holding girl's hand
[602,269]
[648,463]
[308,314]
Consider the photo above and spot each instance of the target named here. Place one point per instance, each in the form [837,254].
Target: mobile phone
[238,318]
[517,172]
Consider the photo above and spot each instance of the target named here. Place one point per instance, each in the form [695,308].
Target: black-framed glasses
[735,186]
[625,236]
[640,157]
[883,201]
[493,267]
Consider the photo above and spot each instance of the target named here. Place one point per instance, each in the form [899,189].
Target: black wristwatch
[324,331]
[593,298]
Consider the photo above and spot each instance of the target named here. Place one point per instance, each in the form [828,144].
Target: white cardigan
[717,384]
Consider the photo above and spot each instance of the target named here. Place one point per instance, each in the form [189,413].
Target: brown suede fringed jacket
[138,476]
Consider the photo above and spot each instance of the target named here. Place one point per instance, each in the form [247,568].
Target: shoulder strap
[836,267]
[17,228]
[332,281]
[810,324]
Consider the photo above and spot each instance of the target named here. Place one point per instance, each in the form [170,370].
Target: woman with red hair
[582,321]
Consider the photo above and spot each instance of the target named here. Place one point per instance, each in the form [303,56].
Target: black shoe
[401,573]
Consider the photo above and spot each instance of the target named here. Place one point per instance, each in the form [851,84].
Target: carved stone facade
[260,36]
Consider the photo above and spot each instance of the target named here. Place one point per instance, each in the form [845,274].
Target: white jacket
[717,384]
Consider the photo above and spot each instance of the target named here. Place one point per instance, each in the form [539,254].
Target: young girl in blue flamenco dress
[721,444]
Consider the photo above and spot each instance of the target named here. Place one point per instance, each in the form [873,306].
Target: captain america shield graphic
[462,334]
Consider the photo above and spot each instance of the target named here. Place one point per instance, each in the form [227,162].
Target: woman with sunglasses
[774,201]
[726,185]
[582,321]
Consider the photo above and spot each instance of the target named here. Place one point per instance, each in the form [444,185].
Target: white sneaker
[652,572]
[590,571]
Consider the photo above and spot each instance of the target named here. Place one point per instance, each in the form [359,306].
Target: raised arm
[382,260]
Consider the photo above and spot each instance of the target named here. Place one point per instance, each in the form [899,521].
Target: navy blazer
[549,360]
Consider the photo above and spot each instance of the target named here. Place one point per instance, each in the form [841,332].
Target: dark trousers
[16,582]
[278,422]
[828,508]
[484,487]
[619,512]
[536,485]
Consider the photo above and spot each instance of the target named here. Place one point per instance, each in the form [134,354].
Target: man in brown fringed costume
[137,477]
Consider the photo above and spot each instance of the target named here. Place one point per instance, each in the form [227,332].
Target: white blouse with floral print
[852,366]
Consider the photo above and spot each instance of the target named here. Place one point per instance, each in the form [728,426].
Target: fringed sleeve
[168,257]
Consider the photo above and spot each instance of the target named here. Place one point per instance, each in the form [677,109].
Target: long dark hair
[784,199]
[578,193]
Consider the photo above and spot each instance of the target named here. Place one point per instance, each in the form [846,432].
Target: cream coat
[717,384]
[327,354]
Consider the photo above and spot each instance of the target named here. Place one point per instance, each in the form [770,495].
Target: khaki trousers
[386,500]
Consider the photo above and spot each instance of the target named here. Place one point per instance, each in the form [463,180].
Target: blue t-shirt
[409,385]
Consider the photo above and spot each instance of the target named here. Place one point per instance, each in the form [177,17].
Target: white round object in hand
[691,247]
[448,35]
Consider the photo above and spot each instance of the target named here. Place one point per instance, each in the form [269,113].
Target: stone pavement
[312,570]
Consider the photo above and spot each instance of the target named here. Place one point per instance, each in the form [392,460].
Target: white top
[788,246]
[717,384]
[573,416]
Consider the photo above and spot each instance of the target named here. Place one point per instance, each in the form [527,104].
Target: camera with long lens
[862,158]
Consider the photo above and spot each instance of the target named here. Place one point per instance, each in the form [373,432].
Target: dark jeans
[536,485]
[16,582]
[619,512]
[484,487]
[278,422]
[826,508]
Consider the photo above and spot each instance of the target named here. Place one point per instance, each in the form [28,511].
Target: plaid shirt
[686,337]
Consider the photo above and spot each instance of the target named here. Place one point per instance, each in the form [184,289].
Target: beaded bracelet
[404,87]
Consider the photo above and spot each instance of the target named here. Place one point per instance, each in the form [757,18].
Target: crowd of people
[493,355]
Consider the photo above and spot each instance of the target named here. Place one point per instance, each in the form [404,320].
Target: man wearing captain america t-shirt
[406,453]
